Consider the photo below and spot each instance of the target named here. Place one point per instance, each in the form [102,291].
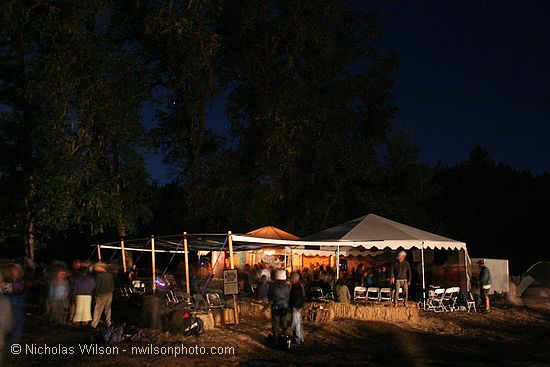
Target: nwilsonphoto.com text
[94,349]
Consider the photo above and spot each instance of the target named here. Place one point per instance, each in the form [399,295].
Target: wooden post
[337,262]
[186,253]
[99,252]
[232,263]
[123,255]
[153,264]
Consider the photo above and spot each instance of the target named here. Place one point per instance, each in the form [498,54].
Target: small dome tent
[534,287]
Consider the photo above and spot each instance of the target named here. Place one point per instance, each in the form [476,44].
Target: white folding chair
[435,300]
[213,300]
[373,293]
[386,294]
[449,298]
[125,292]
[138,287]
[471,302]
[316,293]
[171,298]
[360,293]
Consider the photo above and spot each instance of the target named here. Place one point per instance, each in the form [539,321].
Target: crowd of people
[288,297]
[80,295]
[255,280]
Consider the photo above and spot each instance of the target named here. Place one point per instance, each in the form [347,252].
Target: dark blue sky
[471,72]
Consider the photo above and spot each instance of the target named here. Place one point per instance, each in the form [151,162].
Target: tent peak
[272,232]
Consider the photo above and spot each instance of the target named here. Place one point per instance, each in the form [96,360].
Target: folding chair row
[317,294]
[135,288]
[442,299]
[375,294]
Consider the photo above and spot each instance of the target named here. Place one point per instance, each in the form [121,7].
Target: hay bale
[342,310]
[365,311]
[217,315]
[255,310]
[381,312]
[207,320]
[317,314]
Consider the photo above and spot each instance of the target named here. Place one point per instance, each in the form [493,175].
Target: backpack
[109,336]
[181,321]
[113,335]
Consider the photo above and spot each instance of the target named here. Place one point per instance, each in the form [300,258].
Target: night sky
[471,72]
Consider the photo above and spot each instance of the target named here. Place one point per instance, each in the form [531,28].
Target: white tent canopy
[365,233]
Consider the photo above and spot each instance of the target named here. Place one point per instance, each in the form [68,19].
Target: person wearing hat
[104,288]
[279,295]
[401,277]
[485,282]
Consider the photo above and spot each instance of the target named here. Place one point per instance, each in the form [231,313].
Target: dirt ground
[509,336]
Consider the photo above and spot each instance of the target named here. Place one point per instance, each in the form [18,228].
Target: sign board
[230,282]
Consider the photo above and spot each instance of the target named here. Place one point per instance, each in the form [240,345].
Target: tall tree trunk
[122,232]
[30,218]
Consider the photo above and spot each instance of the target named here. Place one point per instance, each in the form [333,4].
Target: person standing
[82,290]
[15,292]
[485,282]
[58,297]
[297,300]
[6,319]
[401,277]
[279,295]
[104,288]
[262,291]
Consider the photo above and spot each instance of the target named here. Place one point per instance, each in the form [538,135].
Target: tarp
[365,233]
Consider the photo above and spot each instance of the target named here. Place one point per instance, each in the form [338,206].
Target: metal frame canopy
[350,238]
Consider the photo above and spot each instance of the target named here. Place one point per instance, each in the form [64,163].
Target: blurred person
[358,275]
[104,288]
[297,299]
[6,318]
[131,274]
[325,285]
[58,297]
[17,297]
[262,291]
[82,290]
[485,282]
[341,291]
[279,295]
[380,277]
[401,277]
[265,271]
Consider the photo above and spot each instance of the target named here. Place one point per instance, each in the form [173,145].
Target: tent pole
[153,264]
[186,254]
[285,259]
[291,260]
[466,269]
[99,252]
[232,263]
[423,277]
[123,255]
[337,262]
